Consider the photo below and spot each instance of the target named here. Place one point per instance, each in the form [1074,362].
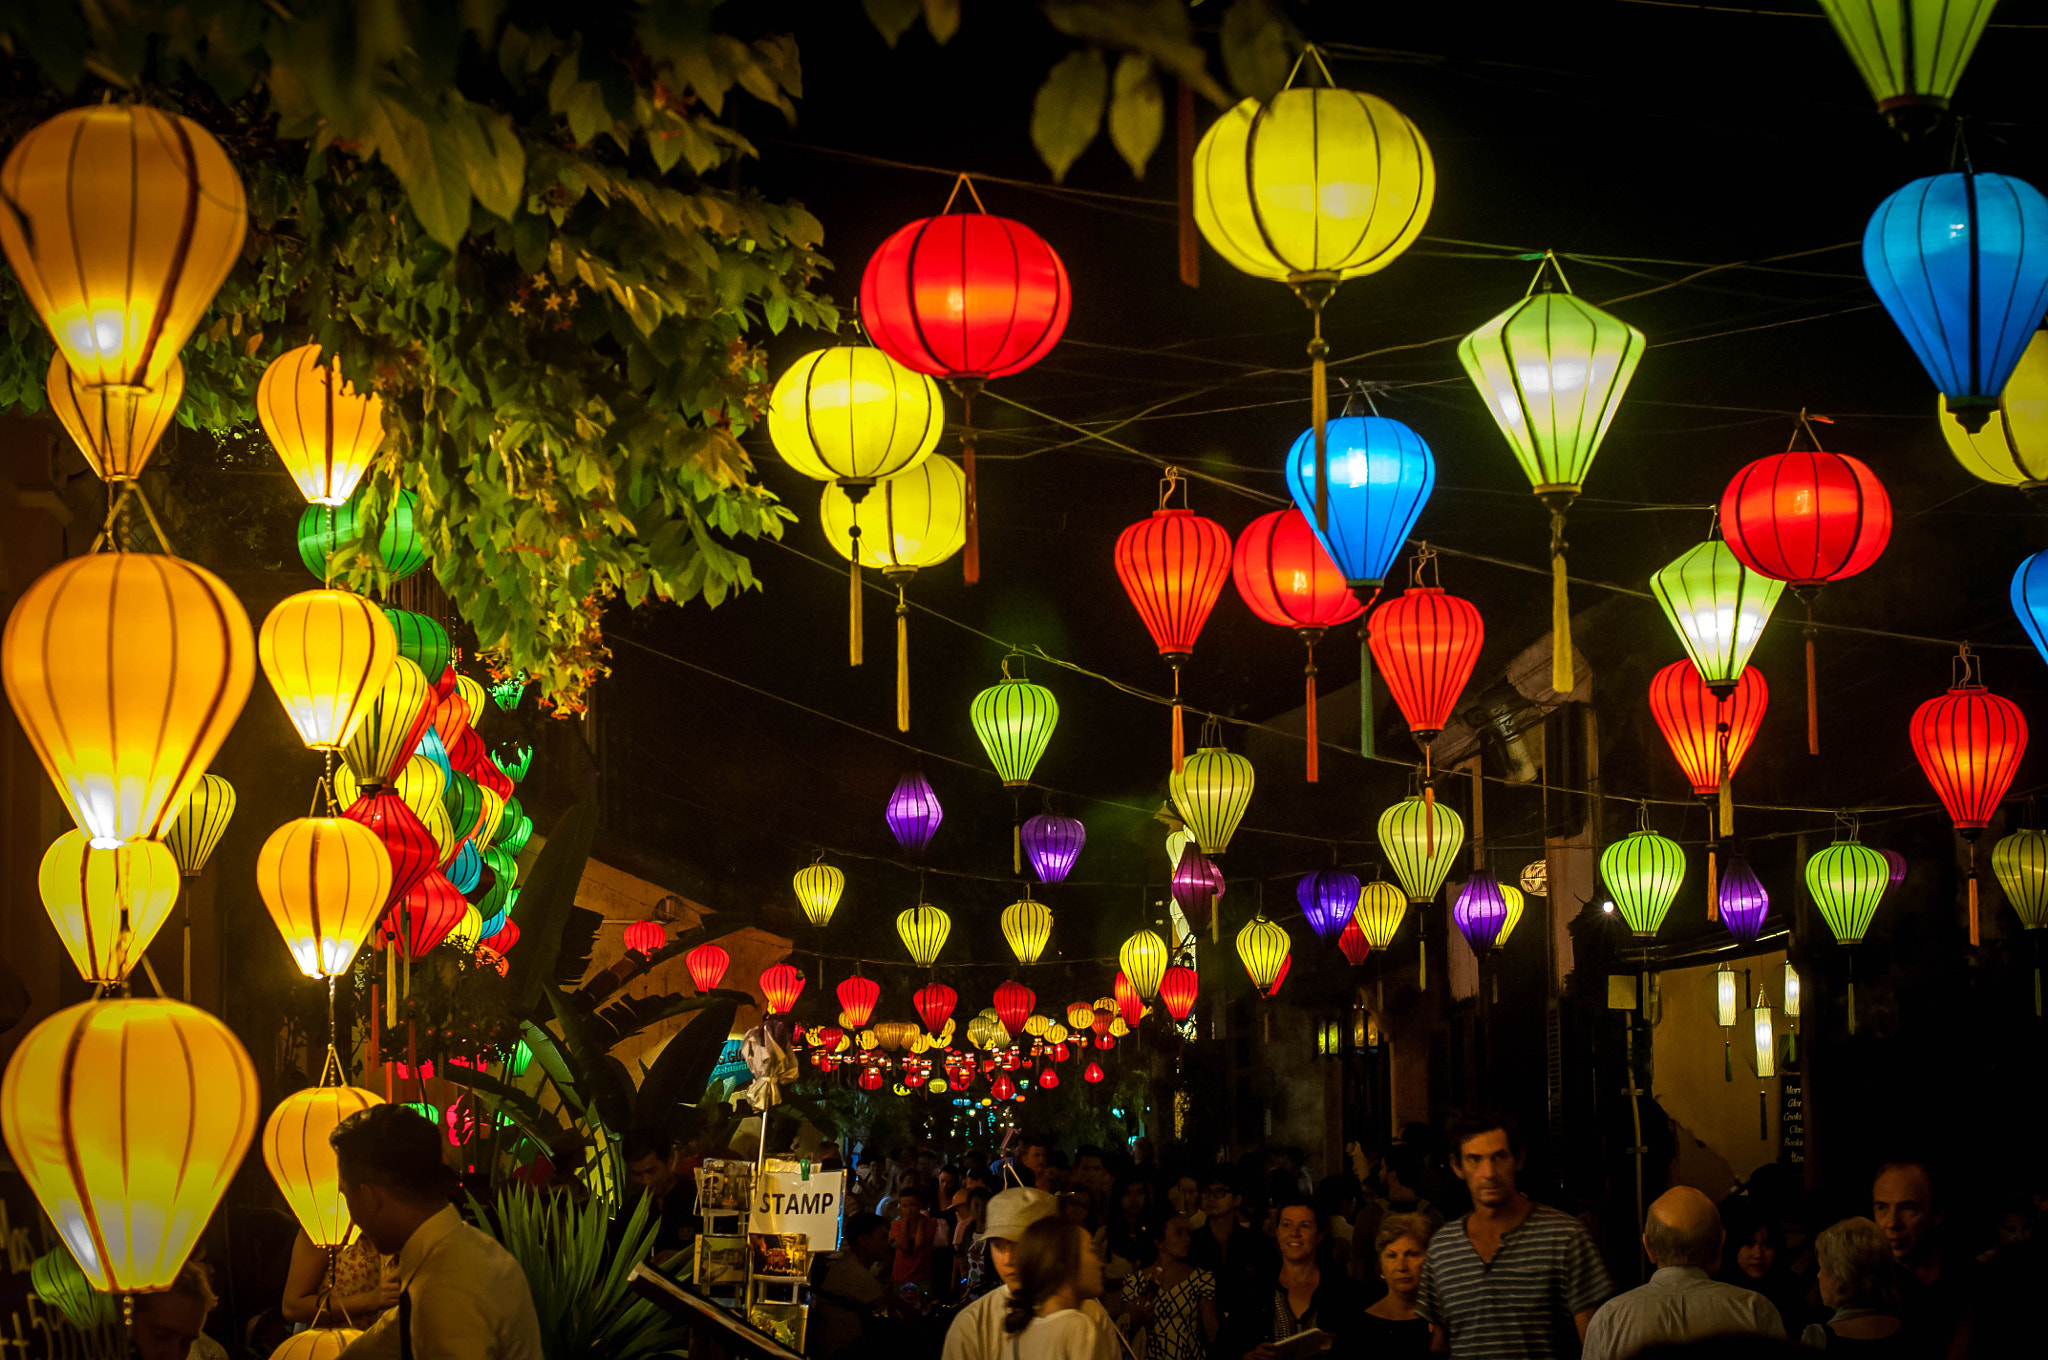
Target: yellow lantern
[494,813]
[327,653]
[1211,789]
[419,786]
[200,824]
[126,671]
[467,931]
[316,1343]
[1381,906]
[1055,1033]
[325,881]
[1037,1026]
[474,697]
[1177,840]
[1263,945]
[818,889]
[1421,840]
[1027,925]
[115,429]
[325,431]
[128,1118]
[123,221]
[302,1162]
[852,415]
[1514,899]
[389,732]
[107,905]
[924,929]
[2012,448]
[1143,959]
[1081,1015]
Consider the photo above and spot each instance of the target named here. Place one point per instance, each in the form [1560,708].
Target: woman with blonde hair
[1057,1271]
[1391,1326]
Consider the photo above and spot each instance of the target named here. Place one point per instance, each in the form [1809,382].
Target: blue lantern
[1961,263]
[1380,474]
[2030,600]
[466,869]
[493,924]
[433,749]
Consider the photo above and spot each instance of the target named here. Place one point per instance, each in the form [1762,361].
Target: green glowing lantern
[1847,881]
[323,532]
[1643,871]
[514,840]
[1211,789]
[519,1059]
[818,888]
[507,693]
[1263,947]
[59,1282]
[507,820]
[463,798]
[421,641]
[1421,841]
[1719,608]
[516,761]
[430,1113]
[1014,720]
[1910,53]
[2020,861]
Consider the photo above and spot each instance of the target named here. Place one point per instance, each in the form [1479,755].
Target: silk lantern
[1694,720]
[923,930]
[389,731]
[1718,607]
[116,429]
[424,916]
[913,520]
[1143,960]
[325,432]
[425,643]
[126,671]
[57,1281]
[1969,743]
[1172,567]
[1420,844]
[1806,518]
[1130,1007]
[853,415]
[1379,913]
[1013,1002]
[1309,188]
[1285,576]
[1426,643]
[1910,53]
[1178,988]
[645,937]
[400,548]
[406,840]
[818,889]
[2020,860]
[1960,262]
[1211,790]
[1052,843]
[2030,600]
[1329,899]
[128,1117]
[123,221]
[2012,447]
[934,1003]
[193,835]
[501,940]
[913,812]
[707,964]
[326,653]
[1480,911]
[1744,902]
[1643,872]
[1552,370]
[1351,941]
[781,985]
[1515,902]
[967,298]
[107,905]
[325,881]
[1014,719]
[1027,925]
[302,1160]
[1197,886]
[1847,881]
[1263,946]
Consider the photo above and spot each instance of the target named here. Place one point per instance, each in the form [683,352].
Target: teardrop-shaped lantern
[1178,988]
[934,1003]
[57,1281]
[1744,903]
[1512,897]
[117,429]
[2012,447]
[913,812]
[1027,925]
[325,881]
[1329,898]
[200,824]
[1643,872]
[123,221]
[1143,960]
[1211,790]
[1381,474]
[128,1118]
[2020,860]
[1197,885]
[1847,881]
[1286,577]
[324,430]
[1351,941]
[1263,947]
[2030,600]
[389,731]
[1480,911]
[818,888]
[1052,843]
[1426,643]
[781,985]
[1130,1007]
[1013,1003]
[1910,53]
[302,1161]
[1691,718]
[463,800]
[425,643]
[424,916]
[1381,909]
[1718,607]
[406,840]
[1173,566]
[126,671]
[1421,842]
[107,905]
[853,415]
[923,930]
[1014,719]
[707,964]
[327,654]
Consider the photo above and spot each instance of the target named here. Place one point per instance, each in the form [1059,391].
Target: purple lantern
[914,813]
[1328,898]
[1480,912]
[1898,863]
[1744,903]
[1197,885]
[1053,843]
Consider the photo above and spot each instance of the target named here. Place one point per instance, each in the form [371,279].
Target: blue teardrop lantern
[466,869]
[1961,263]
[2030,600]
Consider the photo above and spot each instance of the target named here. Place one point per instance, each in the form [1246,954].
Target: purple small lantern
[1052,843]
[1744,903]
[1328,899]
[914,813]
[1480,912]
[1898,863]
[1197,885]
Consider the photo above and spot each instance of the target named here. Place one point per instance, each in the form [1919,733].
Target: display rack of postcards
[795,1215]
[724,1191]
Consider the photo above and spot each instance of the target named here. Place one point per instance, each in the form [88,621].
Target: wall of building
[1719,1137]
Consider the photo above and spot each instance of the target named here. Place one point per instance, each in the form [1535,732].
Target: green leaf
[1137,112]
[496,163]
[892,18]
[1159,29]
[546,897]
[1067,113]
[605,1086]
[1256,38]
[683,1069]
[942,17]
[428,159]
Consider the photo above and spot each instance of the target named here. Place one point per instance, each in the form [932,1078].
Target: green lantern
[513,841]
[422,641]
[59,1282]
[1211,789]
[323,532]
[430,1113]
[507,693]
[1014,720]
[463,798]
[1847,881]
[1421,840]
[2020,861]
[1644,872]
[1380,908]
[516,761]
[1910,53]
[507,820]
[1719,608]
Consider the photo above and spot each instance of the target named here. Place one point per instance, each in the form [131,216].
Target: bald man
[1682,1235]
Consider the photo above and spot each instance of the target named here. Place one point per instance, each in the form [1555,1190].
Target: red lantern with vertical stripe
[1969,742]
[1425,643]
[1173,565]
[1690,717]
[1013,1003]
[1177,990]
[425,916]
[1129,1004]
[781,985]
[935,1005]
[1353,942]
[857,998]
[1286,577]
[406,839]
[707,964]
[644,937]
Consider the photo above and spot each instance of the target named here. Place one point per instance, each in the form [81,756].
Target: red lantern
[467,752]
[1969,742]
[966,298]
[781,985]
[1286,577]
[1806,518]
[1177,989]
[406,839]
[935,1004]
[425,916]
[871,1079]
[1002,1088]
[1425,643]
[857,998]
[1353,943]
[1060,1053]
[644,937]
[707,964]
[1094,1073]
[1013,1004]
[1172,566]
[1129,1004]
[1048,1079]
[491,777]
[1105,1042]
[501,943]
[1692,720]
[1103,1017]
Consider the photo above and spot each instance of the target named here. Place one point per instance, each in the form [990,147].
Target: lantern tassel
[1365,714]
[1974,941]
[391,983]
[902,662]
[1812,692]
[1319,410]
[1309,673]
[855,645]
[1422,965]
[970,557]
[1713,887]
[1560,610]
[1727,792]
[1178,740]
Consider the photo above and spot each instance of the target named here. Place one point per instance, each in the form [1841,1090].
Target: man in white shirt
[1683,1235]
[977,1330]
[462,1296]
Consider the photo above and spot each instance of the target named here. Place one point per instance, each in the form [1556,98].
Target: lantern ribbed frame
[913,812]
[493,813]
[1480,911]
[1718,607]
[1426,643]
[2012,448]
[913,520]
[107,905]
[965,296]
[1211,790]
[2020,860]
[1093,1073]
[1130,1007]
[1312,183]
[934,1003]
[818,889]
[707,964]
[392,724]
[302,1161]
[425,643]
[852,414]
[317,1343]
[325,432]
[1263,947]
[1351,941]
[1644,871]
[1847,881]
[1329,899]
[1015,720]
[1027,925]
[645,937]
[325,881]
[420,783]
[1197,885]
[923,929]
[1969,742]
[1744,902]
[196,830]
[1013,1003]
[1052,843]
[451,715]
[124,220]
[1552,370]
[1806,517]
[326,653]
[781,985]
[1381,475]
[463,799]
[424,917]
[1405,834]
[126,671]
[475,699]
[128,1118]
[1173,565]
[1285,576]
[1178,988]
[57,1281]
[116,430]
[1689,715]
[400,546]
[1909,53]
[1143,960]
[2030,600]
[1512,896]
[1381,909]
[406,840]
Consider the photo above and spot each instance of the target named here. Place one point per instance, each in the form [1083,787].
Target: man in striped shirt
[1513,1278]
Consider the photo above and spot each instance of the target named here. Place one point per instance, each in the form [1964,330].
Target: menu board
[1792,1119]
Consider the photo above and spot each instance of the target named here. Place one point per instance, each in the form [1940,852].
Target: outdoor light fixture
[117,430]
[818,889]
[302,1161]
[1644,871]
[322,428]
[1329,899]
[1263,946]
[1052,844]
[107,905]
[1178,988]
[857,998]
[1479,912]
[1421,843]
[1172,566]
[1718,607]
[1766,1038]
[1143,960]
[853,415]
[1969,742]
[1378,915]
[423,918]
[1211,790]
[781,985]
[1285,576]
[327,654]
[1847,881]
[200,824]
[325,881]
[1027,925]
[644,937]
[913,813]
[1512,897]
[1425,643]
[1015,720]
[1330,1039]
[923,929]
[2012,447]
[1744,902]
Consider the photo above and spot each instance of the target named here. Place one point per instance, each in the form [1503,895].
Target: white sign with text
[786,1201]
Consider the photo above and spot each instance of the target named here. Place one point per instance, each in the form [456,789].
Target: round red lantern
[1172,565]
[1354,944]
[1693,721]
[857,998]
[871,1079]
[781,985]
[935,1004]
[1425,643]
[1013,1003]
[1969,742]
[1105,1042]
[1048,1078]
[1002,1088]
[707,964]
[502,941]
[644,937]
[1177,990]
[1286,577]
[1060,1053]
[1094,1073]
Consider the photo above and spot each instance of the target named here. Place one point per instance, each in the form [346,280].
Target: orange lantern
[115,430]
[325,432]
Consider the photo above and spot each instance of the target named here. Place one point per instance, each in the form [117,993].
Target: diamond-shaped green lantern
[1211,790]
[1719,608]
[2020,861]
[1014,719]
[401,546]
[421,640]
[1421,842]
[1644,872]
[518,1059]
[1847,881]
[59,1282]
